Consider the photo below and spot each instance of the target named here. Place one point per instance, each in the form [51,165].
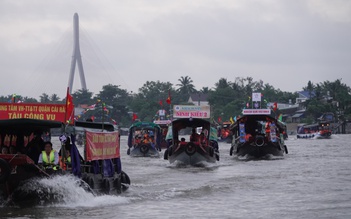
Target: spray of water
[67,191]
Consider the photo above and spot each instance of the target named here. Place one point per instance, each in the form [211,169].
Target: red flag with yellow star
[69,108]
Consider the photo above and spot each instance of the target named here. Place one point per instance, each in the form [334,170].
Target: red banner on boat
[53,112]
[102,145]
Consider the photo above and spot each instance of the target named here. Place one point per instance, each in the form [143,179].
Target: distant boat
[144,140]
[258,134]
[320,130]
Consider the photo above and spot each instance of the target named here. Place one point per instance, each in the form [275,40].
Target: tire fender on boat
[125,181]
[190,149]
[117,185]
[286,149]
[144,148]
[231,151]
[211,151]
[170,151]
[105,184]
[165,155]
[91,182]
[5,170]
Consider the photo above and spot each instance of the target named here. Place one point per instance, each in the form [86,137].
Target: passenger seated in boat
[268,128]
[4,150]
[194,137]
[49,158]
[13,150]
[137,140]
[152,141]
[146,139]
[202,139]
[182,142]
[34,147]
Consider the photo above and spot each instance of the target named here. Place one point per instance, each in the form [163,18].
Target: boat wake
[252,158]
[67,191]
[204,164]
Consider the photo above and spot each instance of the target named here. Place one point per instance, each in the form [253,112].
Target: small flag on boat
[280,117]
[69,108]
[275,106]
[169,97]
[135,116]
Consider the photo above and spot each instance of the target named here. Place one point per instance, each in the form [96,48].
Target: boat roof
[27,125]
[322,123]
[258,117]
[162,122]
[94,125]
[189,122]
[144,125]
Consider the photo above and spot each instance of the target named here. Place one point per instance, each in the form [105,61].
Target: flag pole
[66,104]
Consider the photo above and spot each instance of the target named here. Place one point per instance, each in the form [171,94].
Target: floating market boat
[101,166]
[144,140]
[200,146]
[258,134]
[320,130]
[25,127]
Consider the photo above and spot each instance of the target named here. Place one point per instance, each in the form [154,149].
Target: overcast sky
[283,42]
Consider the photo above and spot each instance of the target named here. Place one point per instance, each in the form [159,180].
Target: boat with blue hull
[320,130]
[144,140]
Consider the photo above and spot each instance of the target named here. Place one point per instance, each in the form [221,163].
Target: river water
[312,181]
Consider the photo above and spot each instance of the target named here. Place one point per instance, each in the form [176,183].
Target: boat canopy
[27,126]
[251,119]
[183,123]
[144,126]
[94,125]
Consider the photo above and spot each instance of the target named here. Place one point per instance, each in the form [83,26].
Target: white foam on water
[67,192]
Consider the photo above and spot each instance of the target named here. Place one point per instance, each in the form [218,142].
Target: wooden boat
[225,132]
[27,126]
[193,150]
[258,134]
[320,130]
[144,140]
[101,166]
[18,167]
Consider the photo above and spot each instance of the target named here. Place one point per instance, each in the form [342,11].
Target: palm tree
[186,87]
[54,98]
[44,98]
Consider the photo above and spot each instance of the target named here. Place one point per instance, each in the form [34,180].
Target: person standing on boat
[35,146]
[194,137]
[49,157]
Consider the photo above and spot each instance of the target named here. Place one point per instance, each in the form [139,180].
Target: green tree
[82,96]
[44,98]
[185,88]
[152,97]
[54,98]
[118,99]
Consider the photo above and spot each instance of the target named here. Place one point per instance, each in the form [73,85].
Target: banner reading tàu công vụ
[52,112]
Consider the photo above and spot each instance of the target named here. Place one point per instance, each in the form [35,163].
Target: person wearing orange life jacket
[49,158]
